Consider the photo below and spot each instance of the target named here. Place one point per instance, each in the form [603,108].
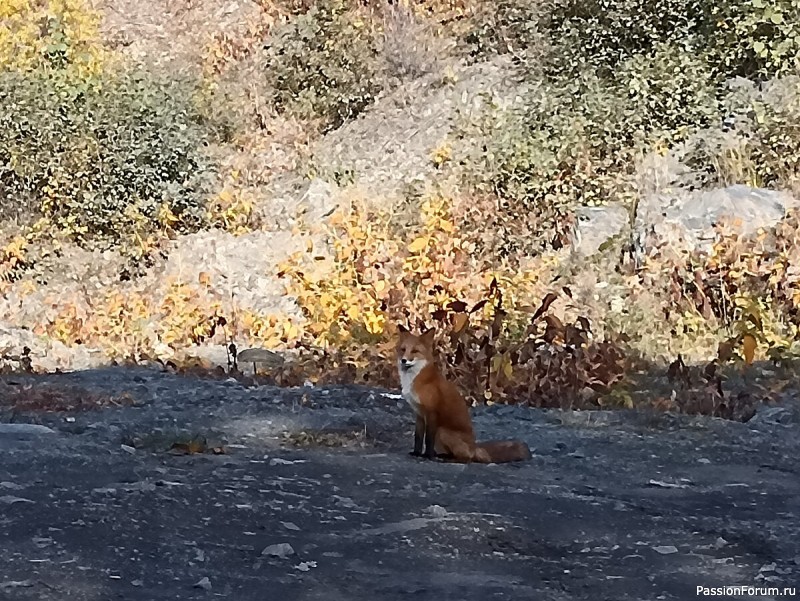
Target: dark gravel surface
[316,498]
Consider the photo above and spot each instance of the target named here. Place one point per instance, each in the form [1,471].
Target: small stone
[665,549]
[720,542]
[204,583]
[290,525]
[11,500]
[279,461]
[25,429]
[16,584]
[282,550]
[437,511]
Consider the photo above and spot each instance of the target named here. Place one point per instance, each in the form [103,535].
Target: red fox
[443,418]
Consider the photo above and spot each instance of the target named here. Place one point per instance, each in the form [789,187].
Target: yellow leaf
[374,322]
[418,244]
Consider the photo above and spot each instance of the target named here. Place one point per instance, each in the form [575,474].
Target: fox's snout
[406,363]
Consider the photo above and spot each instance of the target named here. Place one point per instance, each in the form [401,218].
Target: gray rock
[24,430]
[317,201]
[282,550]
[261,356]
[597,225]
[766,415]
[12,500]
[243,267]
[686,220]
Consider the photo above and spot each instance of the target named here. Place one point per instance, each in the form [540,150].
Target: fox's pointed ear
[427,335]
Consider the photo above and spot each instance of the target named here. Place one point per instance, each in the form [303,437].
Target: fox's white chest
[407,377]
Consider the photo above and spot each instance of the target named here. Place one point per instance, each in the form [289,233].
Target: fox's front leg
[430,437]
[419,432]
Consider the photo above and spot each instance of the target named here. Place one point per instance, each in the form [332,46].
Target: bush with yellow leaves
[106,154]
[60,34]
[492,340]
[747,289]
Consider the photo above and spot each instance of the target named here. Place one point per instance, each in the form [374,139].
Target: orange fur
[443,419]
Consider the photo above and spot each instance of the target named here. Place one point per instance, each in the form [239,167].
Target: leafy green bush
[602,34]
[324,63]
[748,38]
[776,143]
[505,26]
[669,91]
[763,149]
[102,162]
[757,39]
[626,77]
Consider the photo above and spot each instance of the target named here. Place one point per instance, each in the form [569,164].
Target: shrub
[762,149]
[622,78]
[602,34]
[60,34]
[505,26]
[323,64]
[103,163]
[754,39]
[669,91]
[748,38]
[566,146]
[496,345]
[409,48]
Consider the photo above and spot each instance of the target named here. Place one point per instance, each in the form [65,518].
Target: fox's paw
[415,454]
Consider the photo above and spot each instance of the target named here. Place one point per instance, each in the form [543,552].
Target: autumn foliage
[100,155]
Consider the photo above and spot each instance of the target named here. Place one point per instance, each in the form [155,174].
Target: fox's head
[414,352]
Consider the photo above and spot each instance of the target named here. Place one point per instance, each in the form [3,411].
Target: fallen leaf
[549,299]
[749,347]
[418,244]
[459,322]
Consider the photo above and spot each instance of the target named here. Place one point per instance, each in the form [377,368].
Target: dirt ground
[313,496]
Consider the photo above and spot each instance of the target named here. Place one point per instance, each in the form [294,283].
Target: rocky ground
[310,493]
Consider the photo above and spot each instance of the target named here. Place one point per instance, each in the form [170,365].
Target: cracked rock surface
[316,497]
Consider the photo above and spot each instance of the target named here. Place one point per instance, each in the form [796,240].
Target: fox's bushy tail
[501,451]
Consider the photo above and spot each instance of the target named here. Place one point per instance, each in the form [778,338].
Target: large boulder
[687,220]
